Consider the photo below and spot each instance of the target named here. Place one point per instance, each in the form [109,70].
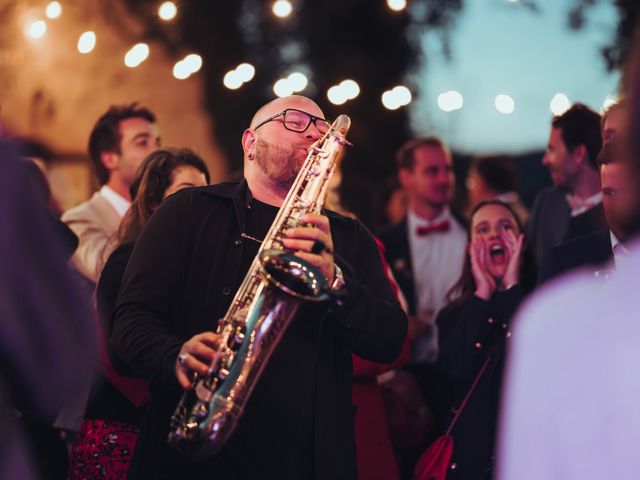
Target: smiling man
[187,265]
[573,206]
[118,143]
[426,250]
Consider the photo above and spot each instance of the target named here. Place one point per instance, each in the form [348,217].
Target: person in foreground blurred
[475,329]
[46,340]
[107,437]
[570,406]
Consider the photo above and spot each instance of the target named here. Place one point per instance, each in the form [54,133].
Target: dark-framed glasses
[298,121]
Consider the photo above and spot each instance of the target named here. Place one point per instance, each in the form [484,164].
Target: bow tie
[433,228]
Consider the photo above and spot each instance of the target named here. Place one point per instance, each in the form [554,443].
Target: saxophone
[276,285]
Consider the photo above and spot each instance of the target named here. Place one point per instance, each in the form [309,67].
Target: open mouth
[498,254]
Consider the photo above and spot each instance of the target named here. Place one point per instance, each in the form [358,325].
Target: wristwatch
[338,278]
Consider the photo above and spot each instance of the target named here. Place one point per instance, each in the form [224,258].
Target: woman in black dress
[108,434]
[474,329]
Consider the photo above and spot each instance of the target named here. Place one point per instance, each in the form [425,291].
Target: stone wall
[52,94]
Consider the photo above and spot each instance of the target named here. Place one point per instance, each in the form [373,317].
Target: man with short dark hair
[573,206]
[597,249]
[426,250]
[118,143]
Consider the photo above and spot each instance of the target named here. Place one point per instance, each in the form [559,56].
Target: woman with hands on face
[475,329]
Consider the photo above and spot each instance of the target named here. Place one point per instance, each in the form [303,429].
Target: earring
[250,156]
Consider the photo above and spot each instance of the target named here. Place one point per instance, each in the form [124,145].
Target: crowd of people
[414,343]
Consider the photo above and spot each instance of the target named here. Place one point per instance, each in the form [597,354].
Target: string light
[187,66]
[232,80]
[337,95]
[87,42]
[450,101]
[559,104]
[167,11]
[246,72]
[37,29]
[397,97]
[297,81]
[193,62]
[397,5]
[283,88]
[282,8]
[351,88]
[505,104]
[136,55]
[346,90]
[53,10]
[240,75]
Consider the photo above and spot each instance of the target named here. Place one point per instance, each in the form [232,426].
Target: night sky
[502,47]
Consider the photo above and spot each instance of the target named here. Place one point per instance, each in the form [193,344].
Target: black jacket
[591,250]
[299,421]
[468,333]
[550,222]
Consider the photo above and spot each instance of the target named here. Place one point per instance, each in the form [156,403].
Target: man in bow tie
[426,250]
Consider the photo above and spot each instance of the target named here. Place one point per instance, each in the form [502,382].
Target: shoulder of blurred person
[46,338]
[557,434]
[593,249]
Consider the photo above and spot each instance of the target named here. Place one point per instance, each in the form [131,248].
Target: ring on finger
[318,247]
[182,358]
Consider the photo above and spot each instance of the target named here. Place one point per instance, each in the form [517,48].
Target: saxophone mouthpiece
[343,124]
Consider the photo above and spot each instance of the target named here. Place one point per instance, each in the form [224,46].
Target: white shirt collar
[582,205]
[620,250]
[117,201]
[417,221]
[614,240]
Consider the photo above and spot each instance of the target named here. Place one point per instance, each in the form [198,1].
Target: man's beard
[280,164]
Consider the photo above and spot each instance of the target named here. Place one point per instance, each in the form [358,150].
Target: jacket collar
[239,194]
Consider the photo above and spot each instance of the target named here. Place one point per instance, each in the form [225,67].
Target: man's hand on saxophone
[313,243]
[196,356]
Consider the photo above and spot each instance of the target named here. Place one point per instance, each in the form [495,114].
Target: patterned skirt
[102,450]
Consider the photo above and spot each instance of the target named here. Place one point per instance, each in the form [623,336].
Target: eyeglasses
[298,121]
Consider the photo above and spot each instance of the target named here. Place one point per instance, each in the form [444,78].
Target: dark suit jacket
[396,244]
[593,249]
[396,249]
[299,421]
[550,219]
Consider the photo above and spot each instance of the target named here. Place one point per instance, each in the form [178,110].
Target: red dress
[374,451]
